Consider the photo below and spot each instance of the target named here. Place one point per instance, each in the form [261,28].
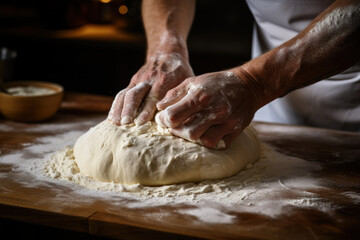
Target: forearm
[329,45]
[167,24]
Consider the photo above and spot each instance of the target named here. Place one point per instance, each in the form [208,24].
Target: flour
[253,190]
[353,196]
[29,91]
[268,187]
[211,103]
[116,118]
[185,131]
[209,215]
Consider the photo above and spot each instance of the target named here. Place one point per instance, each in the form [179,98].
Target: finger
[212,137]
[193,128]
[149,107]
[174,115]
[116,108]
[231,137]
[194,101]
[148,111]
[226,131]
[172,96]
[132,101]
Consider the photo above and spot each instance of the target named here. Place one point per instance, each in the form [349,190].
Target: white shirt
[331,103]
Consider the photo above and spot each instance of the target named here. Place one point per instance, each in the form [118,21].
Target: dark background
[46,33]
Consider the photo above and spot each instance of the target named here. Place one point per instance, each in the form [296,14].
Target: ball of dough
[151,155]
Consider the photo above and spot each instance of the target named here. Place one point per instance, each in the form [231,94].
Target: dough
[151,155]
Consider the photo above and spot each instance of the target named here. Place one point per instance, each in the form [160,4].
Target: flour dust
[268,187]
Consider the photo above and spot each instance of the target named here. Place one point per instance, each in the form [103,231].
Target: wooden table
[336,153]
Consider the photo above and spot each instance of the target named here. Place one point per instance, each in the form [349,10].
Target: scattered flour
[62,166]
[209,215]
[353,196]
[258,189]
[267,187]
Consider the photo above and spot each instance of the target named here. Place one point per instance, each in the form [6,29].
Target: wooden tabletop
[333,211]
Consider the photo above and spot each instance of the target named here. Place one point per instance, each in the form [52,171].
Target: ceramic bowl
[31,108]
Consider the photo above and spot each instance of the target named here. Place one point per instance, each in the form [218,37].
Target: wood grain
[56,205]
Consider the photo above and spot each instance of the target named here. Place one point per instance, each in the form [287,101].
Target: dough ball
[151,155]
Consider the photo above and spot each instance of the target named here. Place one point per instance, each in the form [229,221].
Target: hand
[211,107]
[160,73]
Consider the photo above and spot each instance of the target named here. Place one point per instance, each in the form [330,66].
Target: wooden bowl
[31,108]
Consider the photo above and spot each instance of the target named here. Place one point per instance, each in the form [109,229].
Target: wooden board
[49,203]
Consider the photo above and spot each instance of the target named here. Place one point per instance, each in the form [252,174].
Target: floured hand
[161,72]
[211,107]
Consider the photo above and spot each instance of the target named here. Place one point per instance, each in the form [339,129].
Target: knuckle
[119,97]
[204,98]
[172,117]
[222,112]
[200,100]
[172,92]
[153,74]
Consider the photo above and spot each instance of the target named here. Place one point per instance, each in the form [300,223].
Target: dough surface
[151,155]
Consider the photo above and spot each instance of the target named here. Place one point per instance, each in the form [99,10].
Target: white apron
[331,103]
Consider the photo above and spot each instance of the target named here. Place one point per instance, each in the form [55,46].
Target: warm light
[123,9]
[105,1]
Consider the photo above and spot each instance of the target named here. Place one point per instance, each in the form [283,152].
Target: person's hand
[161,72]
[211,107]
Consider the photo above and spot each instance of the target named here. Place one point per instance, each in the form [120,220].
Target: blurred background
[95,46]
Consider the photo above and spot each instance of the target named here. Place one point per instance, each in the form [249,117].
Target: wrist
[261,95]
[168,42]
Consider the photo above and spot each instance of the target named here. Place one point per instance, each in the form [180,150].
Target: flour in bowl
[29,91]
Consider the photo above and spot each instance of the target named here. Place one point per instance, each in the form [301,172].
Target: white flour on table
[255,189]
[268,187]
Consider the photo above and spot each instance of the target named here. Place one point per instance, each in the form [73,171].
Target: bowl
[31,108]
